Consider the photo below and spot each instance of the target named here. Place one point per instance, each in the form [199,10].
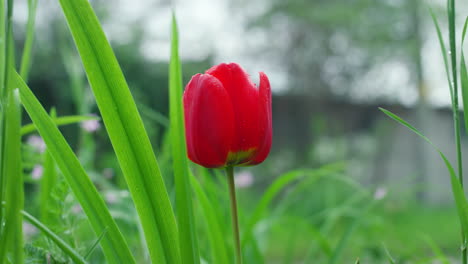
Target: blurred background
[331,64]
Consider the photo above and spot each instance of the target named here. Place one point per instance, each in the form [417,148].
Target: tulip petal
[209,121]
[265,121]
[244,97]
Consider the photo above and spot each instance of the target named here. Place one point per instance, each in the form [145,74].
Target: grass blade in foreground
[187,238]
[77,258]
[12,237]
[215,234]
[126,132]
[113,244]
[458,194]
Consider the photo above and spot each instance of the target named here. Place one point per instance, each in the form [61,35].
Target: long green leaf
[113,244]
[464,77]
[75,256]
[444,52]
[59,121]
[48,180]
[12,190]
[126,132]
[457,190]
[28,43]
[12,236]
[185,218]
[215,234]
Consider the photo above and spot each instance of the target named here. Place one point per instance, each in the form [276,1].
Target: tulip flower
[227,124]
[227,118]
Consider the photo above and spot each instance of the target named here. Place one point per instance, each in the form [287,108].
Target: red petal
[265,121]
[209,121]
[244,98]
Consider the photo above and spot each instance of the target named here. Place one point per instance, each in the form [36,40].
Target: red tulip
[227,118]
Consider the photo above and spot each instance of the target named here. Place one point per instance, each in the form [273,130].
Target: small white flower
[37,172]
[37,143]
[244,179]
[90,125]
[29,230]
[380,193]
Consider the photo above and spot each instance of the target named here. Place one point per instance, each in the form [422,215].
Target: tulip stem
[235,221]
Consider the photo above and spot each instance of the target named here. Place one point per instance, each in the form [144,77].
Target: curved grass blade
[457,190]
[59,121]
[48,180]
[270,194]
[113,244]
[126,132]
[185,218]
[444,52]
[216,237]
[67,249]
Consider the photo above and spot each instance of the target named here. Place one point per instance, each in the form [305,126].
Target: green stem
[453,53]
[235,221]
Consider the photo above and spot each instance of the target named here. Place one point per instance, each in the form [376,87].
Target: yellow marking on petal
[240,158]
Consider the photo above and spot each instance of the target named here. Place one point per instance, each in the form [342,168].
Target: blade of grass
[113,244]
[444,52]
[126,132]
[59,121]
[95,244]
[464,78]
[48,180]
[457,189]
[435,249]
[215,234]
[277,186]
[67,249]
[390,259]
[28,43]
[453,85]
[185,218]
[12,237]
[11,169]
[345,238]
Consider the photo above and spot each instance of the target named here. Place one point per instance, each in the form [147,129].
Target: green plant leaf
[11,239]
[215,234]
[48,181]
[126,132]
[28,42]
[457,190]
[185,218]
[444,52]
[67,249]
[113,244]
[59,121]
